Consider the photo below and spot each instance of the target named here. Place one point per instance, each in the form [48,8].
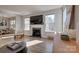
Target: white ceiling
[26,9]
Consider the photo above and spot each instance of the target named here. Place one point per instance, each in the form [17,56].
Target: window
[27,24]
[12,24]
[64,18]
[49,21]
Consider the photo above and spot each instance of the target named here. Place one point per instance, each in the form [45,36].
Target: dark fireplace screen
[36,32]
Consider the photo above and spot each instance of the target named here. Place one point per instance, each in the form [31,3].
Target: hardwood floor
[39,45]
[61,46]
[33,44]
[53,46]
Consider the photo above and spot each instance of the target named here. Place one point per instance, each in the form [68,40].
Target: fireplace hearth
[36,32]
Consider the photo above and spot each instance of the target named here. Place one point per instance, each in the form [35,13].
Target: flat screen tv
[36,19]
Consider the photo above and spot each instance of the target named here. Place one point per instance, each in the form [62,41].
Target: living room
[44,28]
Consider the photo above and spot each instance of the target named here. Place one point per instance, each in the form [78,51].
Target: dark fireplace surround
[36,32]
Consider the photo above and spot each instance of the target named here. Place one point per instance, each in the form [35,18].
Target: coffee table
[21,49]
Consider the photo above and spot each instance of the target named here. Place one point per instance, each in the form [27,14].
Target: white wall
[19,24]
[77,23]
[58,22]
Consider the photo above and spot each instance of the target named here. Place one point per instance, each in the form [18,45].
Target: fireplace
[36,32]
